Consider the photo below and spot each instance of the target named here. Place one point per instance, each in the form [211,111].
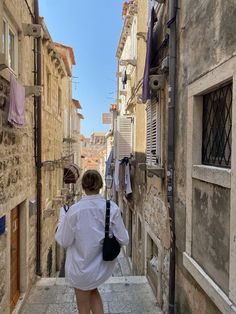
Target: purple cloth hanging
[149,57]
[16,115]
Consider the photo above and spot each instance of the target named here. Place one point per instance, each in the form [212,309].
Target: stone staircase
[121,295]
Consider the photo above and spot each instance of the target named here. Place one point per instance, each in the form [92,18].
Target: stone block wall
[3,273]
[205,40]
[52,152]
[17,163]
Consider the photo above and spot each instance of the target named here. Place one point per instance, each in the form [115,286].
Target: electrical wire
[31,13]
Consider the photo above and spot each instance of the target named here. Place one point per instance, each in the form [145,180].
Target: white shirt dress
[81,232]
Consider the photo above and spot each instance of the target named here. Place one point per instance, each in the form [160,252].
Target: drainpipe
[171,148]
[38,137]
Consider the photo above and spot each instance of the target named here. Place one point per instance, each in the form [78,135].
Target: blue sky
[92,28]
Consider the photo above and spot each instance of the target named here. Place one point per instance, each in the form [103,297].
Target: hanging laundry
[116,175]
[113,192]
[127,182]
[16,115]
[128,188]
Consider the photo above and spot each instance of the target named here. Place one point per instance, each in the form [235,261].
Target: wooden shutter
[148,133]
[153,141]
[124,137]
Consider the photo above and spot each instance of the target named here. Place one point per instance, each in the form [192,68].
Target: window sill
[208,285]
[214,175]
[152,170]
[6,72]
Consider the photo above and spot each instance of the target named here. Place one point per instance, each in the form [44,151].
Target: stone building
[32,153]
[205,157]
[60,146]
[180,143]
[17,158]
[98,138]
[145,208]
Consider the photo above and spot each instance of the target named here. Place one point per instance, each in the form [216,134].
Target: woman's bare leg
[83,301]
[96,302]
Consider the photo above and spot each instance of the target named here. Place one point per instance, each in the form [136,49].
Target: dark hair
[92,180]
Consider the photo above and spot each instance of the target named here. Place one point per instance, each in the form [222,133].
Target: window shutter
[149,135]
[153,146]
[124,137]
[158,134]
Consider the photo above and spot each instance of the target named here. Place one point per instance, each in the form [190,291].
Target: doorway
[15,258]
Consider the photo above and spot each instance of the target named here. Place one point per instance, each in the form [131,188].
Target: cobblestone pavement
[121,295]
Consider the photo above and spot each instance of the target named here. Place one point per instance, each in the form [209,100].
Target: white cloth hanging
[128,188]
[116,176]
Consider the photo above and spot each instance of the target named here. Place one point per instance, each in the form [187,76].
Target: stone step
[121,295]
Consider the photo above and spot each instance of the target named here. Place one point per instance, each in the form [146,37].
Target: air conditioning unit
[156,82]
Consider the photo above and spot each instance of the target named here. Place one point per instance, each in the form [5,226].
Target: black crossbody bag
[111,247]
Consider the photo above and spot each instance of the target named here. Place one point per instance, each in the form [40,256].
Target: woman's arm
[66,228]
[118,229]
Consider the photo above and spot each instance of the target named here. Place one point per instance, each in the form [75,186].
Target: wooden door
[15,253]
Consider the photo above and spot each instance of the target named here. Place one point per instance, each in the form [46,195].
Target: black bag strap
[66,208]
[107,219]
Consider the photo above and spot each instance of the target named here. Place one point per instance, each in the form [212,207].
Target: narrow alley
[131,101]
[121,294]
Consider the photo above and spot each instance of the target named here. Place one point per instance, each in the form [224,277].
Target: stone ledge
[208,285]
[214,175]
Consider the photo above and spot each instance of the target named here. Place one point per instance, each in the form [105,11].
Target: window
[153,144]
[9,44]
[66,124]
[152,263]
[4,37]
[217,125]
[11,49]
[48,88]
[210,97]
[59,102]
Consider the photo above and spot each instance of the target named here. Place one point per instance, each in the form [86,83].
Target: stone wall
[3,273]
[190,298]
[146,211]
[52,153]
[205,39]
[17,164]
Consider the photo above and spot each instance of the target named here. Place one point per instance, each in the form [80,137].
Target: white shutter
[148,135]
[153,133]
[124,137]
[158,134]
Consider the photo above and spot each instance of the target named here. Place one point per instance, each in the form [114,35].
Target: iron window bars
[217,125]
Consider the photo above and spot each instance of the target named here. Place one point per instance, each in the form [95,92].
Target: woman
[81,231]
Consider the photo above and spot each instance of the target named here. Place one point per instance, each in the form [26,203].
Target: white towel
[128,188]
[116,175]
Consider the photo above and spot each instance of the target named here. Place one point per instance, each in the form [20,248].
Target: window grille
[153,140]
[217,125]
